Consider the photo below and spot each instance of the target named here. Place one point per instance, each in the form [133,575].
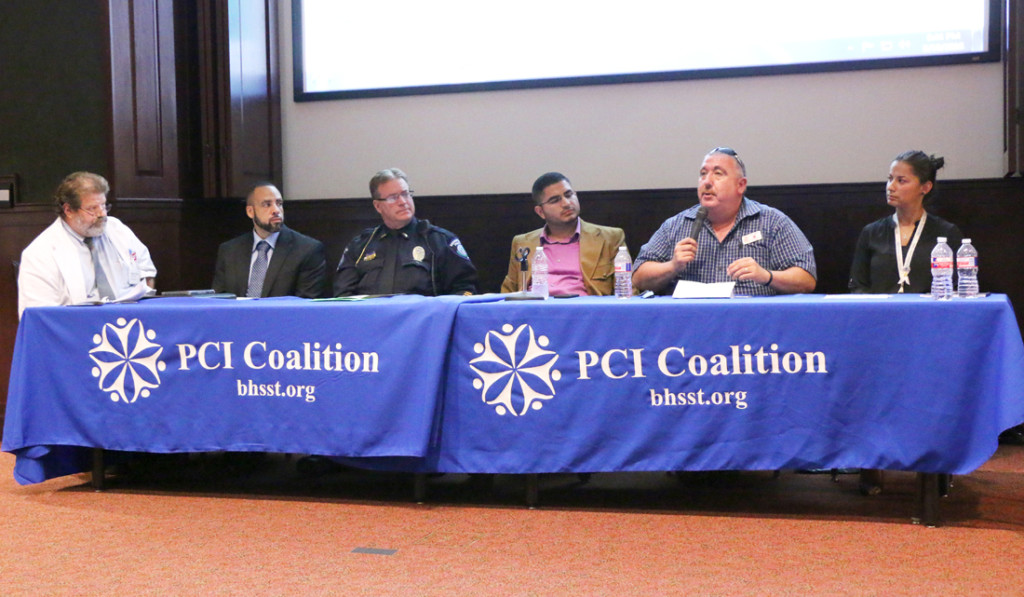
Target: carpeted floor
[227,525]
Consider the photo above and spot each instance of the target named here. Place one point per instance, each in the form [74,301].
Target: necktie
[259,270]
[387,274]
[102,284]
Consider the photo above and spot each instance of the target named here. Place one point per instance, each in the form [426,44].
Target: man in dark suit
[273,260]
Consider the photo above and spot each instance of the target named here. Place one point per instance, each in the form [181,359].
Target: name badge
[753,237]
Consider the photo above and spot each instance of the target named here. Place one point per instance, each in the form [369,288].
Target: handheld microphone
[698,222]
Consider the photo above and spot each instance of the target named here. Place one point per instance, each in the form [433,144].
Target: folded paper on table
[687,289]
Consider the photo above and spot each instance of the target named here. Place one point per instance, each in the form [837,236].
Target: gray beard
[97,229]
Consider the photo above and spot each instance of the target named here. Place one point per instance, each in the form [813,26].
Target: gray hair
[74,186]
[384,176]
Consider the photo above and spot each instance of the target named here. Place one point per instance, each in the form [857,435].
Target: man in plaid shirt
[741,240]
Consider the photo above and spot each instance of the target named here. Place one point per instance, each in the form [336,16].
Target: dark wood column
[144,101]
[240,95]
[1013,64]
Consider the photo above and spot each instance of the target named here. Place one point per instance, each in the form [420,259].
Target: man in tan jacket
[580,254]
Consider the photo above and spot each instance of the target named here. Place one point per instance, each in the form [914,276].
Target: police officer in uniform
[403,255]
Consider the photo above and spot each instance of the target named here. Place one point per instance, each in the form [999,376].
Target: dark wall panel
[145,114]
[1013,82]
[54,93]
[254,136]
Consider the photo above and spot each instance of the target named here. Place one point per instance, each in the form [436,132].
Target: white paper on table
[687,289]
[131,295]
[138,291]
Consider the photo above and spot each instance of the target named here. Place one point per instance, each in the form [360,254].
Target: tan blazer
[598,246]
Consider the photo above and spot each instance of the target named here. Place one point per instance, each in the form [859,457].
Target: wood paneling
[54,93]
[255,134]
[18,226]
[1013,79]
[240,111]
[144,98]
[217,130]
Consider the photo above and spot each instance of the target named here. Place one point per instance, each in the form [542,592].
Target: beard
[96,228]
[267,226]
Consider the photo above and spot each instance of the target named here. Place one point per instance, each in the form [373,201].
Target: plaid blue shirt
[780,247]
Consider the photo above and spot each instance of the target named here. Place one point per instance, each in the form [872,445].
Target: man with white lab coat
[85,255]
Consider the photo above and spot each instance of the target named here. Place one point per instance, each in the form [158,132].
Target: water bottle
[942,270]
[540,274]
[623,274]
[967,270]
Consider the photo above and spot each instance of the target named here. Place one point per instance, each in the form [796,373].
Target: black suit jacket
[297,266]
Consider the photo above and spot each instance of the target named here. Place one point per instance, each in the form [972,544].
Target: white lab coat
[51,271]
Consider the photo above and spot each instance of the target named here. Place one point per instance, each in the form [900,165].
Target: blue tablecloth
[193,374]
[482,385]
[599,384]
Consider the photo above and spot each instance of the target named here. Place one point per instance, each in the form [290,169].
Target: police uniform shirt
[419,258]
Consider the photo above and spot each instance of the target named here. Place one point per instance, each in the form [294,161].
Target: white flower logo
[127,360]
[499,367]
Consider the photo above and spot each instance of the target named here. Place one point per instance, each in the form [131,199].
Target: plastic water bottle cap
[941,239]
[967,241]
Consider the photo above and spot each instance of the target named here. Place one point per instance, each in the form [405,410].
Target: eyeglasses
[406,195]
[99,210]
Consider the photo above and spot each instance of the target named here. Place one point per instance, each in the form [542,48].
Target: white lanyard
[903,265]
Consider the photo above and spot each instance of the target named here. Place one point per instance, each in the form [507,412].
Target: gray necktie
[259,270]
[102,285]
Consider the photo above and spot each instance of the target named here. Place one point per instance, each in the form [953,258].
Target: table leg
[532,489]
[98,469]
[928,499]
[419,487]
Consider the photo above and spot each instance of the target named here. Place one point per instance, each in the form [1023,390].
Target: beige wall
[793,129]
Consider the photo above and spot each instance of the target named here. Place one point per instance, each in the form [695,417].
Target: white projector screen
[374,48]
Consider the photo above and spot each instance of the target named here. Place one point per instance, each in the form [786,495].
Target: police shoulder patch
[456,245]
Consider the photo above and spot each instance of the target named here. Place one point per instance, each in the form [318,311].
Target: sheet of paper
[140,290]
[687,289]
[137,292]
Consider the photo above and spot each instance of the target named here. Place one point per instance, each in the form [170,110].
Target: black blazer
[297,266]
